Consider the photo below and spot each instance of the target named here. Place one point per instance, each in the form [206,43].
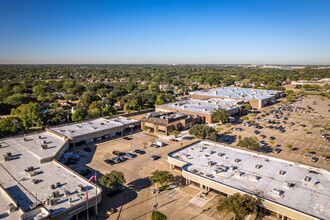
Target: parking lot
[304,135]
[137,200]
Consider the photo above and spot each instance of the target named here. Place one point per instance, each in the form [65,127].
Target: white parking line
[313,145]
[308,144]
[325,148]
[291,141]
[291,154]
[319,147]
[298,155]
[302,143]
[221,215]
[212,212]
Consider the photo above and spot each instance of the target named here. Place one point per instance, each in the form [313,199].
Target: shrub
[251,143]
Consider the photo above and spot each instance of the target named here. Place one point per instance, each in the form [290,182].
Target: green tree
[87,98]
[8,125]
[18,99]
[39,89]
[220,115]
[240,205]
[247,106]
[161,177]
[175,133]
[203,131]
[30,114]
[55,116]
[78,115]
[109,111]
[251,143]
[289,146]
[112,180]
[160,100]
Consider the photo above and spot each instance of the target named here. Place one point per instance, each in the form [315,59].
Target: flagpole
[87,202]
[96,211]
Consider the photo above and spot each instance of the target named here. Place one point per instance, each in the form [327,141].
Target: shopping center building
[288,190]
[203,108]
[258,98]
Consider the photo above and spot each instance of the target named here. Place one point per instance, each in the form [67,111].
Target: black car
[85,172]
[277,150]
[256,132]
[272,138]
[109,161]
[139,151]
[154,157]
[127,138]
[87,149]
[314,159]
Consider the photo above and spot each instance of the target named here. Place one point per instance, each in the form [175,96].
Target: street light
[131,126]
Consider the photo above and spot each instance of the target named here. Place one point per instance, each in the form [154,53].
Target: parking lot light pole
[131,126]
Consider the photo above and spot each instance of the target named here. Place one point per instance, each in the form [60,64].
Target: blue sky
[165,31]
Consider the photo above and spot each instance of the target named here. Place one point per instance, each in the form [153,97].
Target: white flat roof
[123,120]
[311,197]
[83,128]
[238,93]
[4,202]
[19,184]
[33,144]
[204,106]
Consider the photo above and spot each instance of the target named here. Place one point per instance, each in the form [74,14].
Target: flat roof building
[258,98]
[290,190]
[31,177]
[89,131]
[203,108]
[167,122]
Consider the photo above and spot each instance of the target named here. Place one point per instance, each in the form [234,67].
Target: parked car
[85,172]
[87,149]
[314,159]
[127,138]
[256,132]
[262,136]
[71,162]
[116,160]
[237,129]
[139,151]
[75,157]
[326,157]
[154,157]
[272,138]
[277,150]
[130,155]
[122,159]
[110,161]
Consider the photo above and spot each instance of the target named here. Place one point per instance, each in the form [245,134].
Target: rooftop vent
[101,123]
[277,192]
[29,169]
[25,139]
[6,158]
[281,172]
[56,194]
[80,188]
[8,154]
[289,185]
[258,166]
[307,179]
[44,146]
[33,173]
[221,154]
[240,173]
[237,160]
[39,137]
[232,168]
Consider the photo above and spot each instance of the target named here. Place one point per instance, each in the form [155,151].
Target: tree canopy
[220,115]
[112,180]
[161,177]
[240,205]
[203,131]
[251,143]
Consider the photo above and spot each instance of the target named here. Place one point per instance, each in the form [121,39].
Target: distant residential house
[119,105]
[64,103]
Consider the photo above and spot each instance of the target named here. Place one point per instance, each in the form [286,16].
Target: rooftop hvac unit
[55,194]
[66,193]
[101,123]
[44,142]
[44,146]
[237,160]
[240,173]
[258,166]
[8,154]
[289,185]
[80,188]
[307,178]
[281,172]
[32,173]
[29,169]
[277,192]
[205,109]
[52,186]
[39,137]
[35,181]
[24,139]
[5,158]
[210,163]
[221,154]
[232,168]
[58,184]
